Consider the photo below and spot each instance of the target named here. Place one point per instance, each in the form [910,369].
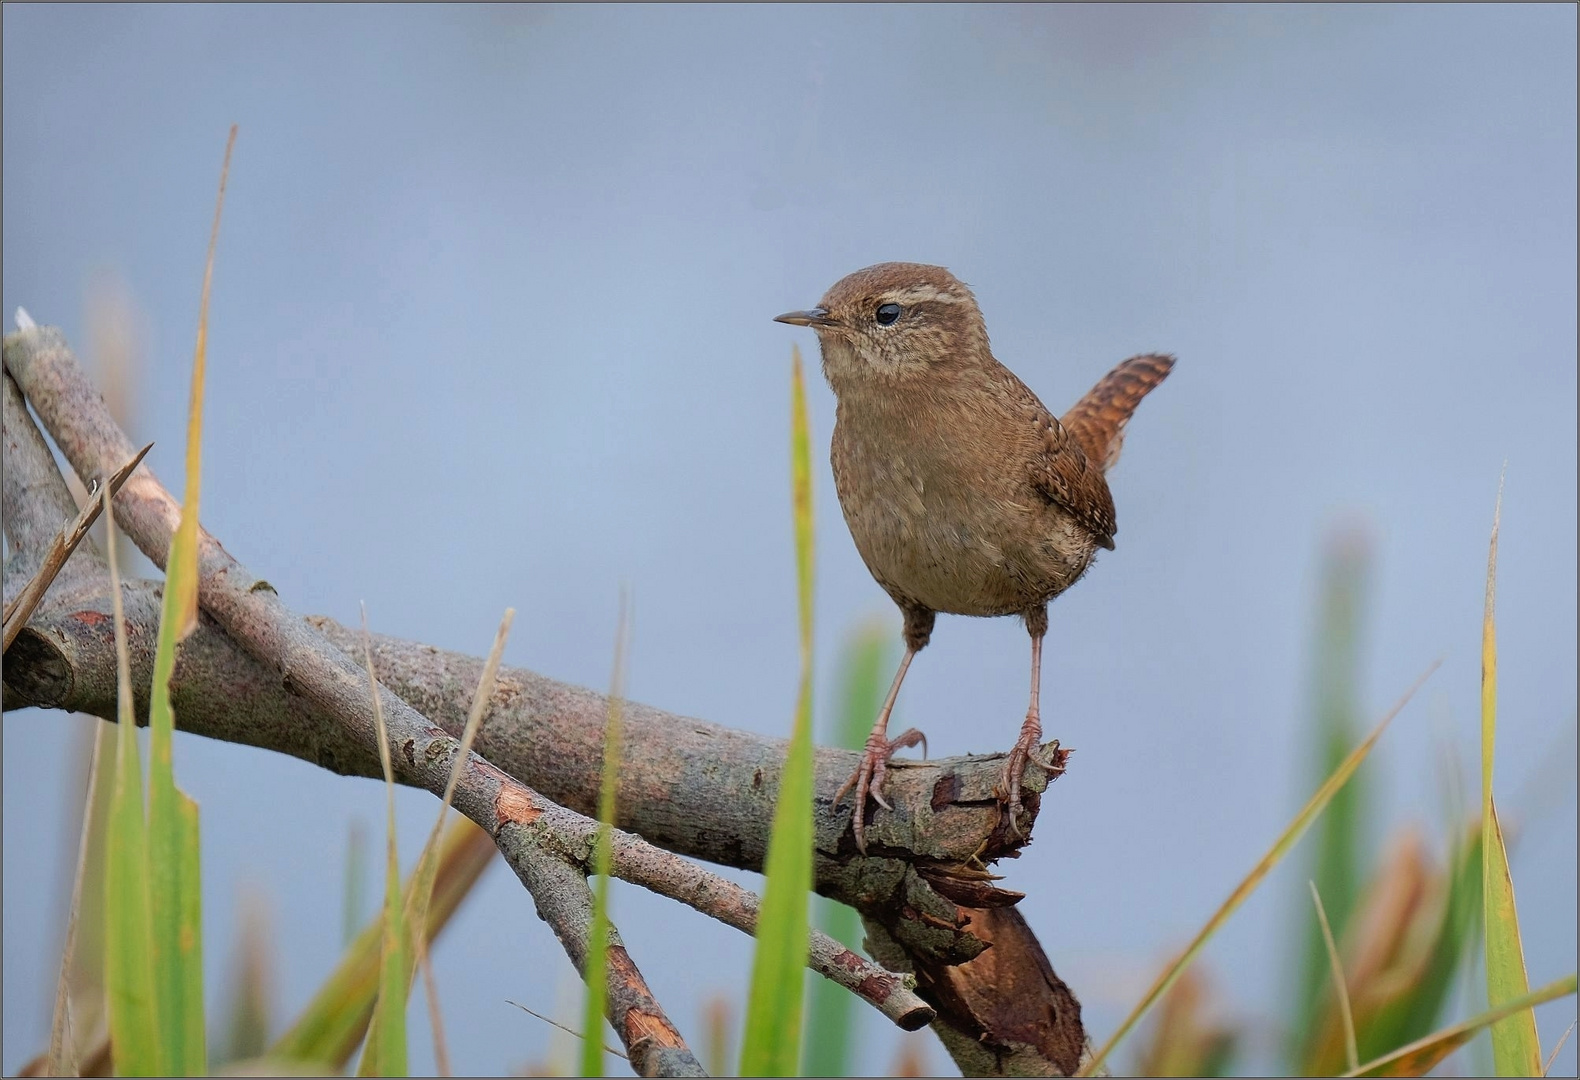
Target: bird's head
[894,323]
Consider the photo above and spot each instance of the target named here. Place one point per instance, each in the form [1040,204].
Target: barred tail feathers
[1097,422]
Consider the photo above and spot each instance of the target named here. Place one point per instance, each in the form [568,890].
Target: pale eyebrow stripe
[922,294]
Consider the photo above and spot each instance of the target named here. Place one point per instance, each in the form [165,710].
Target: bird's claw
[869,776]
[1025,753]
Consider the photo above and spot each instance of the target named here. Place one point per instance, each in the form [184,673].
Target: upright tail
[1097,422]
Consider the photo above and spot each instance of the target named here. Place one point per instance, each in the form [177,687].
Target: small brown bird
[963,493]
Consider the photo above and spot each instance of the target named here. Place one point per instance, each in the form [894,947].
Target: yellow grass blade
[419,891]
[62,1059]
[414,904]
[1516,1051]
[430,990]
[385,1052]
[1341,990]
[772,1043]
[1246,887]
[716,1036]
[1421,1056]
[185,589]
[596,968]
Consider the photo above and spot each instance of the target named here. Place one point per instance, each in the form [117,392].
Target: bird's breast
[942,524]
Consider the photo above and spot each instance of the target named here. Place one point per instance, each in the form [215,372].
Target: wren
[963,493]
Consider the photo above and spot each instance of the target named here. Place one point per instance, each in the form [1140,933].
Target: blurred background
[491,327]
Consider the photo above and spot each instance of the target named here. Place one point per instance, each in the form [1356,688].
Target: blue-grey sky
[491,327]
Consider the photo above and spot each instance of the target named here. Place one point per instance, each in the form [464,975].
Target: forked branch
[256,673]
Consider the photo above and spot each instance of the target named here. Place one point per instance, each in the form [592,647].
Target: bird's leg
[1026,747]
[869,775]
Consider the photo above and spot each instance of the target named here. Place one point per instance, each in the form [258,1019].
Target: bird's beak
[814,317]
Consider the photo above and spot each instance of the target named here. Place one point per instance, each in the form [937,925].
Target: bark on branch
[688,786]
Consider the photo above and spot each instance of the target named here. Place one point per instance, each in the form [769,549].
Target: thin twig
[669,875]
[1552,1057]
[562,1027]
[21,608]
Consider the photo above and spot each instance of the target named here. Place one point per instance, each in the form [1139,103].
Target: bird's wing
[1063,473]
[1058,468]
[1097,422]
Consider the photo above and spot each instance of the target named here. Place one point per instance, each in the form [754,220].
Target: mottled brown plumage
[963,493]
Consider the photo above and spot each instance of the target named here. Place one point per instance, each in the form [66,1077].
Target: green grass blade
[174,884]
[1421,1056]
[128,958]
[1416,1012]
[1516,1050]
[419,890]
[869,660]
[596,972]
[189,931]
[1264,866]
[332,1024]
[385,1052]
[398,965]
[1337,846]
[773,1019]
[831,1009]
[88,1016]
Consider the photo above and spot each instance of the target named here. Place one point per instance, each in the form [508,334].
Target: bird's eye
[887,313]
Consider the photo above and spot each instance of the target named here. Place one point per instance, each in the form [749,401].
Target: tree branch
[37,500]
[252,613]
[690,786]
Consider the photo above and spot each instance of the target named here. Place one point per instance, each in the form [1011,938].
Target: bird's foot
[869,775]
[1025,753]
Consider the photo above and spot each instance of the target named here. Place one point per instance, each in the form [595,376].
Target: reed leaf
[1516,1051]
[831,1010]
[128,932]
[772,1042]
[1421,1056]
[1247,886]
[332,1024]
[596,972]
[1337,846]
